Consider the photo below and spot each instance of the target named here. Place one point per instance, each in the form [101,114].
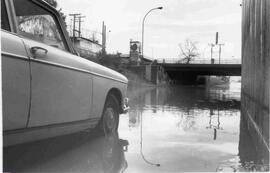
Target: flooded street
[183,129]
[168,129]
[135,86]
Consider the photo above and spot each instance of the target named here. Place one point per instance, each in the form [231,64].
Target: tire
[110,116]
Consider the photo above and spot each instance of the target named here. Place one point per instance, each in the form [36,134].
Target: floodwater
[168,129]
[183,128]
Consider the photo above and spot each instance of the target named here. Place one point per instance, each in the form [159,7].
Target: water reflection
[186,98]
[183,129]
[81,152]
[189,103]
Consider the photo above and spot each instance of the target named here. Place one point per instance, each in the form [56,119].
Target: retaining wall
[255,68]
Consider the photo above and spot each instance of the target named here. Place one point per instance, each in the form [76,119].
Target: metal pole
[141,146]
[220,51]
[157,8]
[212,45]
[211,52]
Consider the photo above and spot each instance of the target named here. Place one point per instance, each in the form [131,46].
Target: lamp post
[157,8]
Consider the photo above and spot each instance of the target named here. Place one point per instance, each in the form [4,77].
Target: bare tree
[189,51]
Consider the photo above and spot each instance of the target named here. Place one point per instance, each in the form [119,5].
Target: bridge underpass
[188,73]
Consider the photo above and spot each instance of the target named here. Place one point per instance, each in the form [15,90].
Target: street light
[157,8]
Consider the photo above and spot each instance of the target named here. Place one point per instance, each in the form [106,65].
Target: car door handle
[34,49]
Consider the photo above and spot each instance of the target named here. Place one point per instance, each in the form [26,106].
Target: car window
[4,17]
[38,24]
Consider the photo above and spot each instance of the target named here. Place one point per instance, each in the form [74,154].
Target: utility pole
[74,23]
[80,21]
[103,38]
[220,51]
[219,44]
[212,46]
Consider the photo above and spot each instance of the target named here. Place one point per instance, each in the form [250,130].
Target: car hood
[99,70]
[107,72]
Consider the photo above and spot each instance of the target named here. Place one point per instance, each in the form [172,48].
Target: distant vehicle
[47,89]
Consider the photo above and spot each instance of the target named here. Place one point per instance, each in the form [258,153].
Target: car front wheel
[110,116]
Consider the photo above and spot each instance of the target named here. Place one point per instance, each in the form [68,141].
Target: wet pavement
[168,129]
[183,129]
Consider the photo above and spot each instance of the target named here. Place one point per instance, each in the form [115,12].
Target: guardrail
[175,61]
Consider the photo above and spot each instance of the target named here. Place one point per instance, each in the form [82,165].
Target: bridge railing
[176,61]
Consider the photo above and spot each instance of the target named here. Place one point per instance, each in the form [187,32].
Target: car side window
[4,17]
[38,24]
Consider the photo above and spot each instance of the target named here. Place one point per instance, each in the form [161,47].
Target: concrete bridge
[183,71]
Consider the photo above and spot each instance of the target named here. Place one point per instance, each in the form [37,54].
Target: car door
[61,91]
[15,77]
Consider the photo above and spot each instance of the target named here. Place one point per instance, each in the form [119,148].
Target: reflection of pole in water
[134,117]
[210,120]
[218,119]
[141,148]
[215,133]
[216,127]
[154,97]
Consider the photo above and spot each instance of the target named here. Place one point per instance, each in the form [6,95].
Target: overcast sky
[197,20]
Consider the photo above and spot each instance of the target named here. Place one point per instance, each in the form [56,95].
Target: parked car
[47,89]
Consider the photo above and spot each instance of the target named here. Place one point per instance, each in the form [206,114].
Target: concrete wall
[158,74]
[255,68]
[152,73]
[139,70]
[148,72]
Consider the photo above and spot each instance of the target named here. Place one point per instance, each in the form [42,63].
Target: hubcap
[109,120]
